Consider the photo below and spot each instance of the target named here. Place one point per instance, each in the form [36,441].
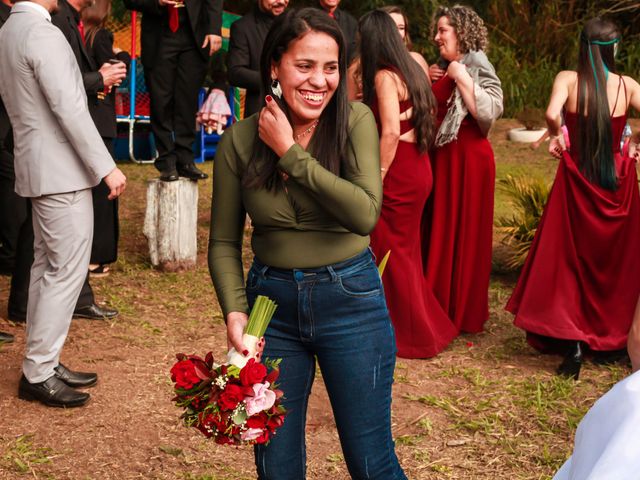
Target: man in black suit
[348,24]
[95,80]
[245,46]
[67,19]
[177,40]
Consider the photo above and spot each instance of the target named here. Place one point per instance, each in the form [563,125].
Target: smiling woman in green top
[307,171]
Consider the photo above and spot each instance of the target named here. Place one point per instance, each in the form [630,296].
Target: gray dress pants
[63,231]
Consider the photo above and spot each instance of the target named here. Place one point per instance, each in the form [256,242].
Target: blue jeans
[338,315]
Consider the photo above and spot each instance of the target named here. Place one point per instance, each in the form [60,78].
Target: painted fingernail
[245,352]
[268,98]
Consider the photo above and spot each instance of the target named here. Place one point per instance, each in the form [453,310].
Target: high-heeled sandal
[99,271]
[570,366]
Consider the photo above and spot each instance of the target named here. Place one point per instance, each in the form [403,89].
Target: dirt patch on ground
[487,407]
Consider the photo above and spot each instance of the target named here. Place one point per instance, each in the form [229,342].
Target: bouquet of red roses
[234,404]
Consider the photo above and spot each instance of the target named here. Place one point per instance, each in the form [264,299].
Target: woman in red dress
[398,92]
[458,225]
[579,285]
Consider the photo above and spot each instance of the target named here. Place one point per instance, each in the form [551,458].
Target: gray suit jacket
[57,147]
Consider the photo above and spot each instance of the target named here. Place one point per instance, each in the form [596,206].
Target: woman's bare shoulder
[385,75]
[630,82]
[567,76]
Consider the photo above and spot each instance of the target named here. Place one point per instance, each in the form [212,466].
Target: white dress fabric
[607,445]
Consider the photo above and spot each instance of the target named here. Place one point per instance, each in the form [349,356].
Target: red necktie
[332,15]
[174,20]
[81,30]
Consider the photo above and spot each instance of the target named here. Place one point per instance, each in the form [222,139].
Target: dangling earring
[275,88]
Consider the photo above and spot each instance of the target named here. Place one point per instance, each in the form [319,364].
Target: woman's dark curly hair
[469,27]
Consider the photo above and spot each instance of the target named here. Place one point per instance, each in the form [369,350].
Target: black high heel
[570,366]
[611,357]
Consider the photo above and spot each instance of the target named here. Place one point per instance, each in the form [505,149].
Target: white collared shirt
[38,8]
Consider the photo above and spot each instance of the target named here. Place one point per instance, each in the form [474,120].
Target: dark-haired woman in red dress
[579,285]
[399,94]
[458,225]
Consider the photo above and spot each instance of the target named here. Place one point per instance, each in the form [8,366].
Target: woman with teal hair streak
[578,289]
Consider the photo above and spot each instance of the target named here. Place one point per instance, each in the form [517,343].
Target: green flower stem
[260,316]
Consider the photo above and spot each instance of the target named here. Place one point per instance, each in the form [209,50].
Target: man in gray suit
[59,156]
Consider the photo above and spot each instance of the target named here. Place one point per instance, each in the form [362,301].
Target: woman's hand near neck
[458,72]
[274,128]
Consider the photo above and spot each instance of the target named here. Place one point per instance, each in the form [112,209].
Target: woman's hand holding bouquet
[237,402]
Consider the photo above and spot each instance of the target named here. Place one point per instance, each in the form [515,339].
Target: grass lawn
[487,407]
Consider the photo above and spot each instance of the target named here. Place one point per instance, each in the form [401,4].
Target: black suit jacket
[243,61]
[4,13]
[5,125]
[349,26]
[205,17]
[66,19]
[101,51]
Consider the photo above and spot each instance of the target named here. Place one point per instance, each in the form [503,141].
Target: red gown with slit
[581,280]
[458,225]
[421,326]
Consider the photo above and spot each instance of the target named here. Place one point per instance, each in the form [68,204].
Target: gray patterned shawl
[488,92]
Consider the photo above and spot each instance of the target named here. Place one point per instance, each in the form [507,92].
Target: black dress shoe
[75,379]
[6,337]
[570,366]
[191,172]
[52,392]
[95,312]
[170,175]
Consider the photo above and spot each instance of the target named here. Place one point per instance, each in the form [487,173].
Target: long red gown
[458,226]
[422,328]
[581,280]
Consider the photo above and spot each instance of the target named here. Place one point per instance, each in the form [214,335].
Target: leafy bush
[529,196]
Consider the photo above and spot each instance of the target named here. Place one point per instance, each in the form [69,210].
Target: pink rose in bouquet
[251,434]
[262,399]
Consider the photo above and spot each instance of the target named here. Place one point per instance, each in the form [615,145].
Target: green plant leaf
[239,417]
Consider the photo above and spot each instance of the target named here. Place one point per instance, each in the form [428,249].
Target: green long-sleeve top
[320,219]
